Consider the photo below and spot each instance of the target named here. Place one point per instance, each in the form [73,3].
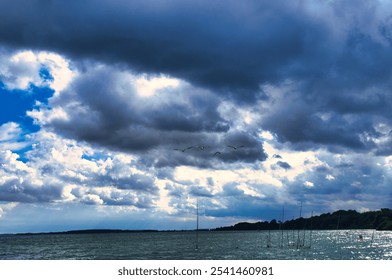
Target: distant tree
[342,219]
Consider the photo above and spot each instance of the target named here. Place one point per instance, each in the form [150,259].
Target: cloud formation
[105,106]
[336,60]
[246,45]
[246,105]
[60,170]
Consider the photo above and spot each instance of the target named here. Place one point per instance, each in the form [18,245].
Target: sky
[129,114]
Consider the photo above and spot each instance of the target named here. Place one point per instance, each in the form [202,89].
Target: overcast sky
[122,114]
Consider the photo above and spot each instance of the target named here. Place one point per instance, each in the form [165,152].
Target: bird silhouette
[217,153]
[183,150]
[235,147]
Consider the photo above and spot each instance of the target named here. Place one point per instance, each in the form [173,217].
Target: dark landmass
[342,219]
[89,231]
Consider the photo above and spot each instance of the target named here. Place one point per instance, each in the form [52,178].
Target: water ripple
[273,245]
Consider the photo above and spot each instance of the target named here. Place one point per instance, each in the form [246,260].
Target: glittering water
[242,245]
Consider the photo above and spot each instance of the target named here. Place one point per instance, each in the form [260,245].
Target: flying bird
[235,147]
[217,153]
[183,150]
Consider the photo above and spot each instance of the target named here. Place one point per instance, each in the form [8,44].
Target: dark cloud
[336,57]
[283,164]
[197,191]
[14,190]
[355,185]
[309,124]
[174,192]
[231,189]
[231,47]
[323,169]
[215,153]
[103,107]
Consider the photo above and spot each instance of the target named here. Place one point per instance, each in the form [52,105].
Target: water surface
[242,245]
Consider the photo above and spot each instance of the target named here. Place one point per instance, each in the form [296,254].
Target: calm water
[242,245]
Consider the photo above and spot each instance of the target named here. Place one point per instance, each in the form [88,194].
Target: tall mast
[197,223]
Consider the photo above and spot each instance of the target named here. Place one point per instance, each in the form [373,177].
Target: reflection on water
[274,245]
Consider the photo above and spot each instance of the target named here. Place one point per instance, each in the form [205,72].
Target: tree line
[342,219]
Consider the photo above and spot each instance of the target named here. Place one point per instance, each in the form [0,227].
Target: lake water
[212,245]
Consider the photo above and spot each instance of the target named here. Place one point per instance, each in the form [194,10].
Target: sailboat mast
[197,223]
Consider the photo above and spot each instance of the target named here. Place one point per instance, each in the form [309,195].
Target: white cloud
[92,199]
[43,115]
[10,132]
[11,137]
[329,177]
[22,69]
[62,170]
[309,184]
[266,135]
[22,183]
[300,162]
[59,68]
[148,86]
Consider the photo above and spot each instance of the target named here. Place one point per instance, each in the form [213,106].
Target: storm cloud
[149,106]
[104,107]
[336,58]
[227,46]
